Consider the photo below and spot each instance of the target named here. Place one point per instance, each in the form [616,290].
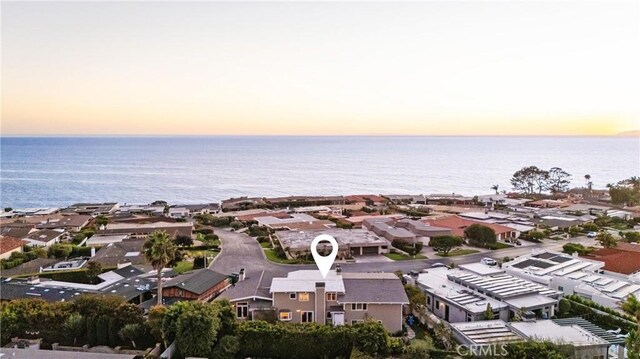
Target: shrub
[204,231]
[236,225]
[259,231]
[60,250]
[263,239]
[571,248]
[210,238]
[590,227]
[409,247]
[198,262]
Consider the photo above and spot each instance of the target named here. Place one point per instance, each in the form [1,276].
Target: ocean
[58,171]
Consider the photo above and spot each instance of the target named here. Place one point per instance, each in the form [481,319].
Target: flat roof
[551,331]
[344,237]
[481,269]
[305,281]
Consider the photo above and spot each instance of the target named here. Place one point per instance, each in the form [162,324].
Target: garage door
[370,250]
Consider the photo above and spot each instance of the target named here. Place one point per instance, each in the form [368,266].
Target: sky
[320,68]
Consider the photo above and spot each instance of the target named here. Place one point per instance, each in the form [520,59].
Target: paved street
[241,251]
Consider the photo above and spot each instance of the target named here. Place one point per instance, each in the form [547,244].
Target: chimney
[321,304]
[93,251]
[338,269]
[241,275]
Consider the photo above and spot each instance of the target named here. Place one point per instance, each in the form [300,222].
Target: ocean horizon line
[620,135]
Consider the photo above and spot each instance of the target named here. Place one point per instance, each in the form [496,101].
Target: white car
[592,235]
[438,265]
[488,261]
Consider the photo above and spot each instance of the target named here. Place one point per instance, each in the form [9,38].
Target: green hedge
[408,247]
[310,341]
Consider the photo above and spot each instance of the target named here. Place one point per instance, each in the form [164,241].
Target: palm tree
[495,188]
[587,179]
[631,306]
[159,251]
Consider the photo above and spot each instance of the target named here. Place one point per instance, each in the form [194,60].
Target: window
[284,316]
[437,304]
[561,288]
[429,300]
[242,310]
[303,297]
[332,297]
[358,306]
[357,321]
[307,317]
[179,292]
[292,296]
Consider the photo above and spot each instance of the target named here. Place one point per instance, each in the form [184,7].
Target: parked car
[592,235]
[488,261]
[438,265]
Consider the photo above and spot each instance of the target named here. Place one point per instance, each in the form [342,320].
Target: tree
[60,250]
[74,326]
[533,350]
[590,226]
[488,313]
[495,187]
[480,235]
[417,298]
[606,239]
[418,349]
[131,332]
[631,236]
[537,235]
[227,348]
[558,180]
[93,270]
[184,241]
[8,209]
[197,330]
[159,251]
[574,231]
[227,316]
[154,321]
[587,179]
[564,307]
[102,220]
[444,244]
[530,180]
[631,306]
[625,192]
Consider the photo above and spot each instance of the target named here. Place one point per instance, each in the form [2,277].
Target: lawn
[273,256]
[402,257]
[500,245]
[458,252]
[265,245]
[183,266]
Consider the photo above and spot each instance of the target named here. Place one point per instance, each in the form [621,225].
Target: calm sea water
[57,171]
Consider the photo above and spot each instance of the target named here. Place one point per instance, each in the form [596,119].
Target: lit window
[303,297]
[284,316]
[331,297]
[307,317]
[292,296]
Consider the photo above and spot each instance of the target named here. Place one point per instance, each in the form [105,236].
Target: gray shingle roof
[197,281]
[373,291]
[255,284]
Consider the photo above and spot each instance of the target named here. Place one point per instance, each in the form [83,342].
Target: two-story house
[340,298]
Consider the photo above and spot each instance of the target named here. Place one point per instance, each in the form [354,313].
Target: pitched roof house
[202,284]
[10,245]
[341,298]
[44,237]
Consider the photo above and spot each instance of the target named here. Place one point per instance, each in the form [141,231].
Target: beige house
[341,298]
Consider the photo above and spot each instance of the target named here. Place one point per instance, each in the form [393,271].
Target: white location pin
[324,263]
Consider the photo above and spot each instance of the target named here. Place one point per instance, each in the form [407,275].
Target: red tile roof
[624,258]
[8,244]
[458,224]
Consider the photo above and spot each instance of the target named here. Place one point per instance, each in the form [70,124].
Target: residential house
[406,230]
[201,284]
[586,339]
[178,212]
[457,225]
[351,242]
[120,254]
[44,237]
[293,221]
[73,223]
[93,209]
[250,295]
[624,258]
[9,245]
[571,274]
[464,294]
[304,296]
[303,201]
[142,230]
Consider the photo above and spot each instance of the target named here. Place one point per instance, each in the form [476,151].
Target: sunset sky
[214,68]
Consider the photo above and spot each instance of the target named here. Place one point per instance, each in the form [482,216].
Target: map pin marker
[324,263]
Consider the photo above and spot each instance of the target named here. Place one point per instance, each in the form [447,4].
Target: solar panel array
[488,335]
[501,286]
